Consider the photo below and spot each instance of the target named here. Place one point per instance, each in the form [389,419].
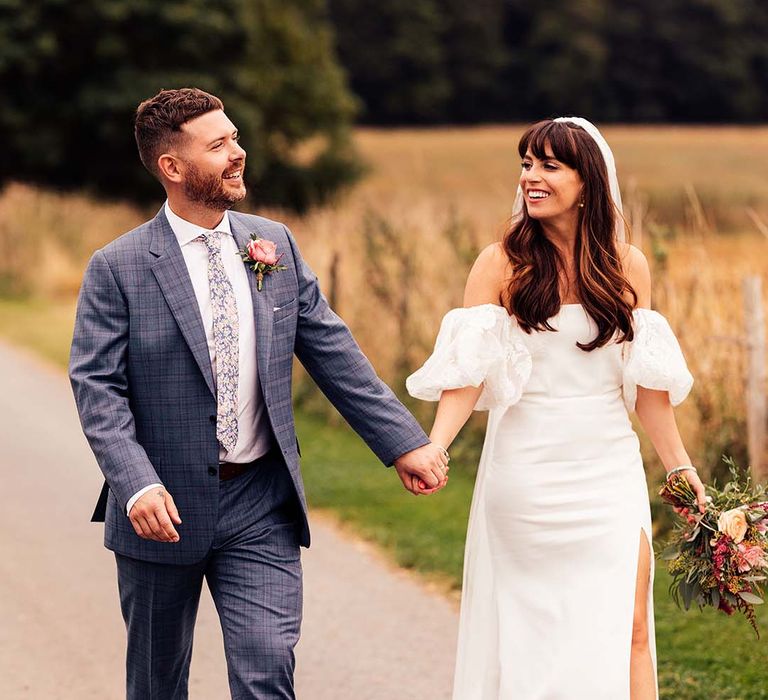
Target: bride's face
[551,189]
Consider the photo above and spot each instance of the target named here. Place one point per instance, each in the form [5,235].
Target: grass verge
[42,326]
[700,655]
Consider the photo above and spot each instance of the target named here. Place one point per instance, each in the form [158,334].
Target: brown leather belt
[230,470]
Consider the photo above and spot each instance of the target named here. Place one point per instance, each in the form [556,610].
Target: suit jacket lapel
[172,275]
[263,308]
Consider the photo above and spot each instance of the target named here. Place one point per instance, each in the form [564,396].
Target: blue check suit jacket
[144,389]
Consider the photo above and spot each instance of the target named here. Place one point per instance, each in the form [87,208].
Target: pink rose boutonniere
[261,256]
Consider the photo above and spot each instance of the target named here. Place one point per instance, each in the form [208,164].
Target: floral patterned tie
[226,329]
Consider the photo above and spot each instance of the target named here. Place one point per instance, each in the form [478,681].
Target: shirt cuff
[136,496]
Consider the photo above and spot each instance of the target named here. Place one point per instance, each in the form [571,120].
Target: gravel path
[370,632]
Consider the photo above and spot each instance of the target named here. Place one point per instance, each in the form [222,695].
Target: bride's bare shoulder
[637,271]
[488,277]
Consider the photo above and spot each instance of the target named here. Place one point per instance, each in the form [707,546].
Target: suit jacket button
[212,471]
[212,419]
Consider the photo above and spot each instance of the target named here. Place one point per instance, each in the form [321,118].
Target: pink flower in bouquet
[721,549]
[262,250]
[761,525]
[719,555]
[750,557]
[725,607]
[733,523]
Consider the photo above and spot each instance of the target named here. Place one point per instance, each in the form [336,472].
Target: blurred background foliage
[73,73]
[427,61]
[295,73]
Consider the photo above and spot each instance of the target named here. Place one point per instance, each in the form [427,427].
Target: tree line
[443,61]
[296,74]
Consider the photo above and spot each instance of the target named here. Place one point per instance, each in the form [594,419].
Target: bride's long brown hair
[533,294]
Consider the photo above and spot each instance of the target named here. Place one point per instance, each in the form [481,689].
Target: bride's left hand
[698,488]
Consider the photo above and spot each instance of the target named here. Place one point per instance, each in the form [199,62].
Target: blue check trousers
[253,570]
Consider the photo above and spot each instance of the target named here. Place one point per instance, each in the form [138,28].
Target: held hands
[423,471]
[154,515]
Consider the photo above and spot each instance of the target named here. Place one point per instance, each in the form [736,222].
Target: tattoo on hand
[161,493]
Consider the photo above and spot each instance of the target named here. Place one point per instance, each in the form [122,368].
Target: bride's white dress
[560,499]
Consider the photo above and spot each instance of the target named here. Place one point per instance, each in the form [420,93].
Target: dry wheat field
[393,253]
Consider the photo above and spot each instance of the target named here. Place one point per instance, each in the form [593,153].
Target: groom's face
[212,161]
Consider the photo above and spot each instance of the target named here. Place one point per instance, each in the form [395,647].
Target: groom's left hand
[423,470]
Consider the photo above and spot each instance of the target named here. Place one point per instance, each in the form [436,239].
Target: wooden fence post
[757,402]
[635,211]
[333,291]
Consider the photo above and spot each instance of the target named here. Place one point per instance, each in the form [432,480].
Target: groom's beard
[209,190]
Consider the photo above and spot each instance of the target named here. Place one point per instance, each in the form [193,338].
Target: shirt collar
[186,232]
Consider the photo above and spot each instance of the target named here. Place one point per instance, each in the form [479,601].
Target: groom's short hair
[157,126]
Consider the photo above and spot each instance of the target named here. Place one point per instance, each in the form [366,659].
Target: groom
[181,369]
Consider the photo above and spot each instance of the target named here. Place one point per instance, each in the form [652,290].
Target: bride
[557,339]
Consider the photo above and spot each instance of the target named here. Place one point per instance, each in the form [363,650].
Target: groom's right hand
[153,516]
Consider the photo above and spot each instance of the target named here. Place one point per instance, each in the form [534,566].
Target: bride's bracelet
[681,468]
[444,451]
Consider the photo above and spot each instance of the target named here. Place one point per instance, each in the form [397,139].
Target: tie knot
[212,239]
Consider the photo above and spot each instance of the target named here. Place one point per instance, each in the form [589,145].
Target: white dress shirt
[253,436]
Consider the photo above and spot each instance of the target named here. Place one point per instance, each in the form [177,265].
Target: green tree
[395,58]
[633,60]
[423,60]
[476,59]
[72,74]
[759,55]
[684,60]
[564,58]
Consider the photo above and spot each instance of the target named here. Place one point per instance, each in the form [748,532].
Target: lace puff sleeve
[654,360]
[476,345]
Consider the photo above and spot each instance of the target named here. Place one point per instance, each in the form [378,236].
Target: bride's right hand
[698,488]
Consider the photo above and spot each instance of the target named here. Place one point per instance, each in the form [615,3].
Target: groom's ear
[168,167]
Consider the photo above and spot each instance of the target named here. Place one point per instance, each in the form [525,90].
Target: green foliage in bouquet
[719,558]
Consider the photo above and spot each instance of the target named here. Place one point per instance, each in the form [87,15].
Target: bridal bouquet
[719,558]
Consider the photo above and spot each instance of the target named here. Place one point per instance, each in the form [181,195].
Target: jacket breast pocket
[284,310]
